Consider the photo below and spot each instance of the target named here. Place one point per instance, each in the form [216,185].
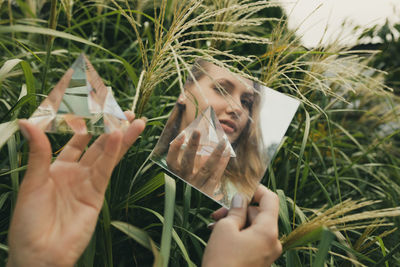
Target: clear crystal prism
[211,133]
[80,103]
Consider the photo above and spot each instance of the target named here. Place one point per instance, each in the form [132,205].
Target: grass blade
[13,158]
[305,239]
[383,249]
[303,146]
[323,248]
[7,67]
[145,190]
[284,212]
[30,85]
[4,247]
[7,129]
[175,236]
[388,256]
[169,207]
[141,237]
[106,222]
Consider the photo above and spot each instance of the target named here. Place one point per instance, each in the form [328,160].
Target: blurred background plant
[342,144]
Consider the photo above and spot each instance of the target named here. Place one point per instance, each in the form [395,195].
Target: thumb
[39,152]
[238,211]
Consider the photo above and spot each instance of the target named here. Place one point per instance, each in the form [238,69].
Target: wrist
[22,262]
[10,263]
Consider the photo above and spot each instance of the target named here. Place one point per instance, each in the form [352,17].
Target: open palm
[58,203]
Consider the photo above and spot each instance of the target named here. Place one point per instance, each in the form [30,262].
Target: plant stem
[50,41]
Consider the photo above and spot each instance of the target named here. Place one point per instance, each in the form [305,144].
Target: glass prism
[211,133]
[80,103]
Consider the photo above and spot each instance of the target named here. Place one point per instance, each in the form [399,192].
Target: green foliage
[343,142]
[389,57]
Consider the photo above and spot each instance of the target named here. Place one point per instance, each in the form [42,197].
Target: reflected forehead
[229,79]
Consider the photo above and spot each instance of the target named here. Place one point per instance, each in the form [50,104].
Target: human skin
[231,100]
[58,203]
[232,244]
[58,206]
[205,177]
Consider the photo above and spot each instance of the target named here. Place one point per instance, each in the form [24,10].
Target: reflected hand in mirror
[203,172]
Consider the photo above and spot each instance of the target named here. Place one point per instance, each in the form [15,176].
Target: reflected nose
[233,106]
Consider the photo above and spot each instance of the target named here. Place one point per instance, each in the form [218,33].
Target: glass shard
[211,133]
[80,103]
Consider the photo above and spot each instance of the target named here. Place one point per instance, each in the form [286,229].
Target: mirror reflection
[222,132]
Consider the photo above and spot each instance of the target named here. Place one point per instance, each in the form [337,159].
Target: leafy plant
[342,144]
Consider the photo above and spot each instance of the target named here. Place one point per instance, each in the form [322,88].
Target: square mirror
[223,132]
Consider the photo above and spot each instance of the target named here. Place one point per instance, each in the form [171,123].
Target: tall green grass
[343,143]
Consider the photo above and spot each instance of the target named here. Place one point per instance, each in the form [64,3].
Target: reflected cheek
[232,138]
[218,105]
[241,126]
[243,121]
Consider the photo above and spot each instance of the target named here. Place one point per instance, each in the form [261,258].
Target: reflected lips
[228,126]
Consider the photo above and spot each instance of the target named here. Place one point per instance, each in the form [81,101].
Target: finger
[189,155]
[211,225]
[173,152]
[252,213]
[219,214]
[209,167]
[103,166]
[129,115]
[267,200]
[74,148]
[268,209]
[95,149]
[215,157]
[131,135]
[39,153]
[237,213]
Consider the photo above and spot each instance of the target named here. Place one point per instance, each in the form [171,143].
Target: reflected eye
[247,103]
[220,90]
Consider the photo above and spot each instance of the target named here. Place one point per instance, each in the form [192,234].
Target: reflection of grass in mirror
[352,145]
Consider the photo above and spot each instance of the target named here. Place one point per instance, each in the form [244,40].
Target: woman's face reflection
[231,100]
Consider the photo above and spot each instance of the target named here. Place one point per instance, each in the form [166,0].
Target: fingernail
[181,99]
[237,201]
[144,119]
[195,135]
[24,131]
[212,215]
[211,225]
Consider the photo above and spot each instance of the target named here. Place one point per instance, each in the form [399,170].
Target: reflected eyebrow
[249,95]
[226,84]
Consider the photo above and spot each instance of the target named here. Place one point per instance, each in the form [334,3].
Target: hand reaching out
[231,244]
[58,203]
